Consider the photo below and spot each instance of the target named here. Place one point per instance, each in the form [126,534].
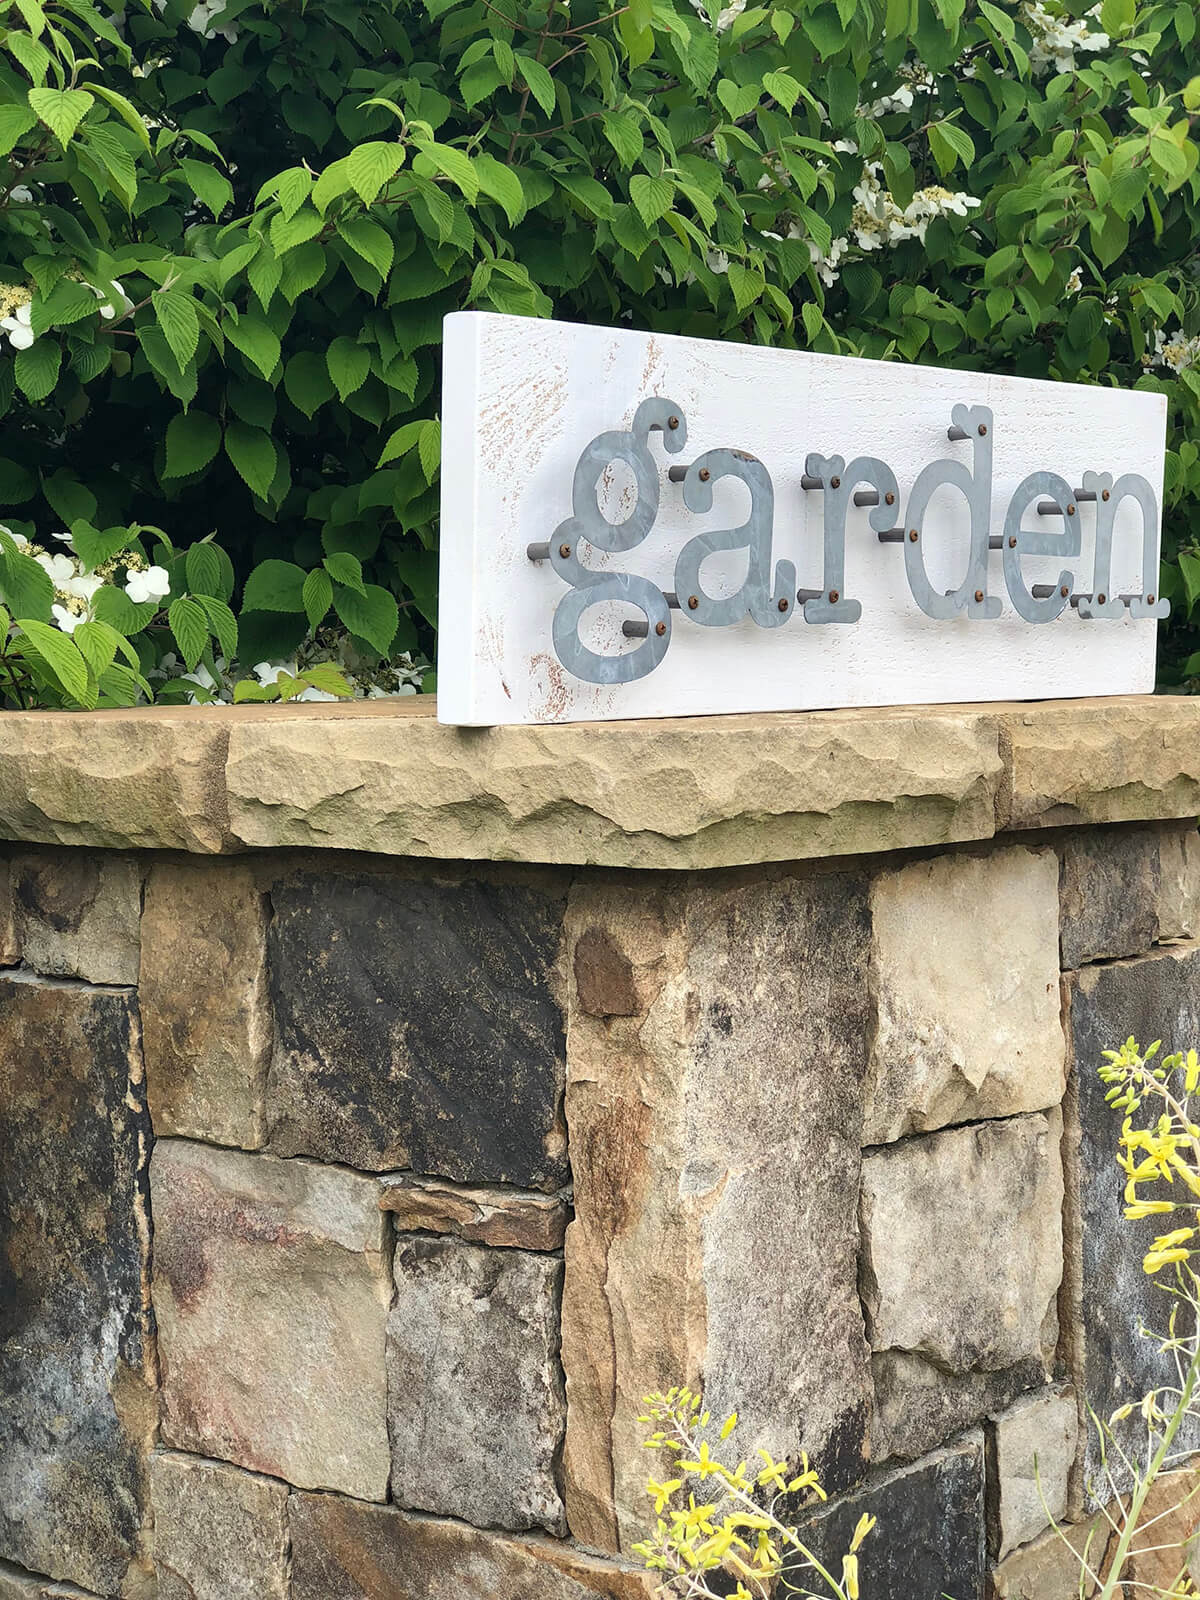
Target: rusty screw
[978,596]
[672,423]
[783,605]
[693,602]
[660,628]
[889,499]
[1070,510]
[1104,495]
[1150,599]
[1012,541]
[1100,597]
[835,483]
[705,474]
[1065,592]
[833,597]
[913,535]
[982,429]
[564,551]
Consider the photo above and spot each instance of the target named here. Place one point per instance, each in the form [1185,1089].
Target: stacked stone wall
[349,1206]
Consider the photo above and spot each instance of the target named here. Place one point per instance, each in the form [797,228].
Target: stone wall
[349,1203]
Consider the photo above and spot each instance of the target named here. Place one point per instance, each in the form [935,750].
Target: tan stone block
[271,1288]
[1049,1568]
[965,967]
[219,1533]
[151,778]
[18,1585]
[345,1550]
[205,1006]
[1123,758]
[714,1146]
[963,1244]
[669,792]
[1032,1447]
[10,949]
[1179,882]
[501,1217]
[78,913]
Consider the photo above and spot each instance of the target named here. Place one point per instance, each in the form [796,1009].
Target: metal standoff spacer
[996,541]
[538,552]
[809,594]
[678,474]
[1043,591]
[807,481]
[891,536]
[869,497]
[1051,508]
[955,434]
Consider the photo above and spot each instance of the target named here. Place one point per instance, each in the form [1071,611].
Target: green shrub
[231,233]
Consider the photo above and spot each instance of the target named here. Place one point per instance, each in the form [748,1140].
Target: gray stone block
[919,1406]
[928,1541]
[77,1410]
[476,1409]
[418,1026]
[962,1243]
[1108,893]
[78,913]
[1031,1448]
[1156,997]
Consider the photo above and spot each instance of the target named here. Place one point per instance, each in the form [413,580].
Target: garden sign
[642,525]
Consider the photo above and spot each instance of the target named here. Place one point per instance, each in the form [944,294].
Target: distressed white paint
[523,398]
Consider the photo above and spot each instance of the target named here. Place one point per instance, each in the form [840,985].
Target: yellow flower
[773,1472]
[1148,1208]
[850,1576]
[863,1528]
[704,1466]
[660,1493]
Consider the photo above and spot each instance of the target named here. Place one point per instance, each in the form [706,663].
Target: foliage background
[275,202]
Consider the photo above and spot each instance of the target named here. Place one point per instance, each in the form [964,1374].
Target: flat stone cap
[683,793]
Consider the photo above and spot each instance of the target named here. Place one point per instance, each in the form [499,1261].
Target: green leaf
[287,232]
[652,197]
[28,589]
[125,109]
[69,497]
[62,110]
[429,449]
[538,81]
[306,382]
[950,144]
[14,121]
[348,364]
[193,439]
[204,570]
[274,586]
[317,596]
[257,342]
[373,616]
[622,132]
[369,166]
[264,273]
[62,657]
[370,241]
[176,314]
[36,369]
[783,87]
[221,621]
[325,676]
[97,644]
[1117,16]
[190,628]
[401,442]
[114,606]
[211,188]
[1189,566]
[66,303]
[501,183]
[252,451]
[17,483]
[347,569]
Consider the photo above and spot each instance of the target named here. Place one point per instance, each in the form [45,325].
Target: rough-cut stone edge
[671,793]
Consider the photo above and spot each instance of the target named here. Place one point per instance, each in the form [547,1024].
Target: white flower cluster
[915,77]
[16,310]
[1175,351]
[878,221]
[399,677]
[1057,40]
[75,585]
[205,20]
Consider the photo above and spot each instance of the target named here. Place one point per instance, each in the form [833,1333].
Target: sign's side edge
[458,653]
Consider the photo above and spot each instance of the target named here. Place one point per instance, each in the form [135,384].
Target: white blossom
[205,20]
[1175,351]
[1057,40]
[153,584]
[18,329]
[1074,282]
[21,193]
[68,621]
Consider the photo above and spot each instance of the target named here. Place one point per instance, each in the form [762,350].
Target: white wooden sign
[640,525]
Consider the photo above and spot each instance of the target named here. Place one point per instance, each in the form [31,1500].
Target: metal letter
[976,424]
[832,605]
[589,587]
[754,536]
[1135,487]
[1019,541]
